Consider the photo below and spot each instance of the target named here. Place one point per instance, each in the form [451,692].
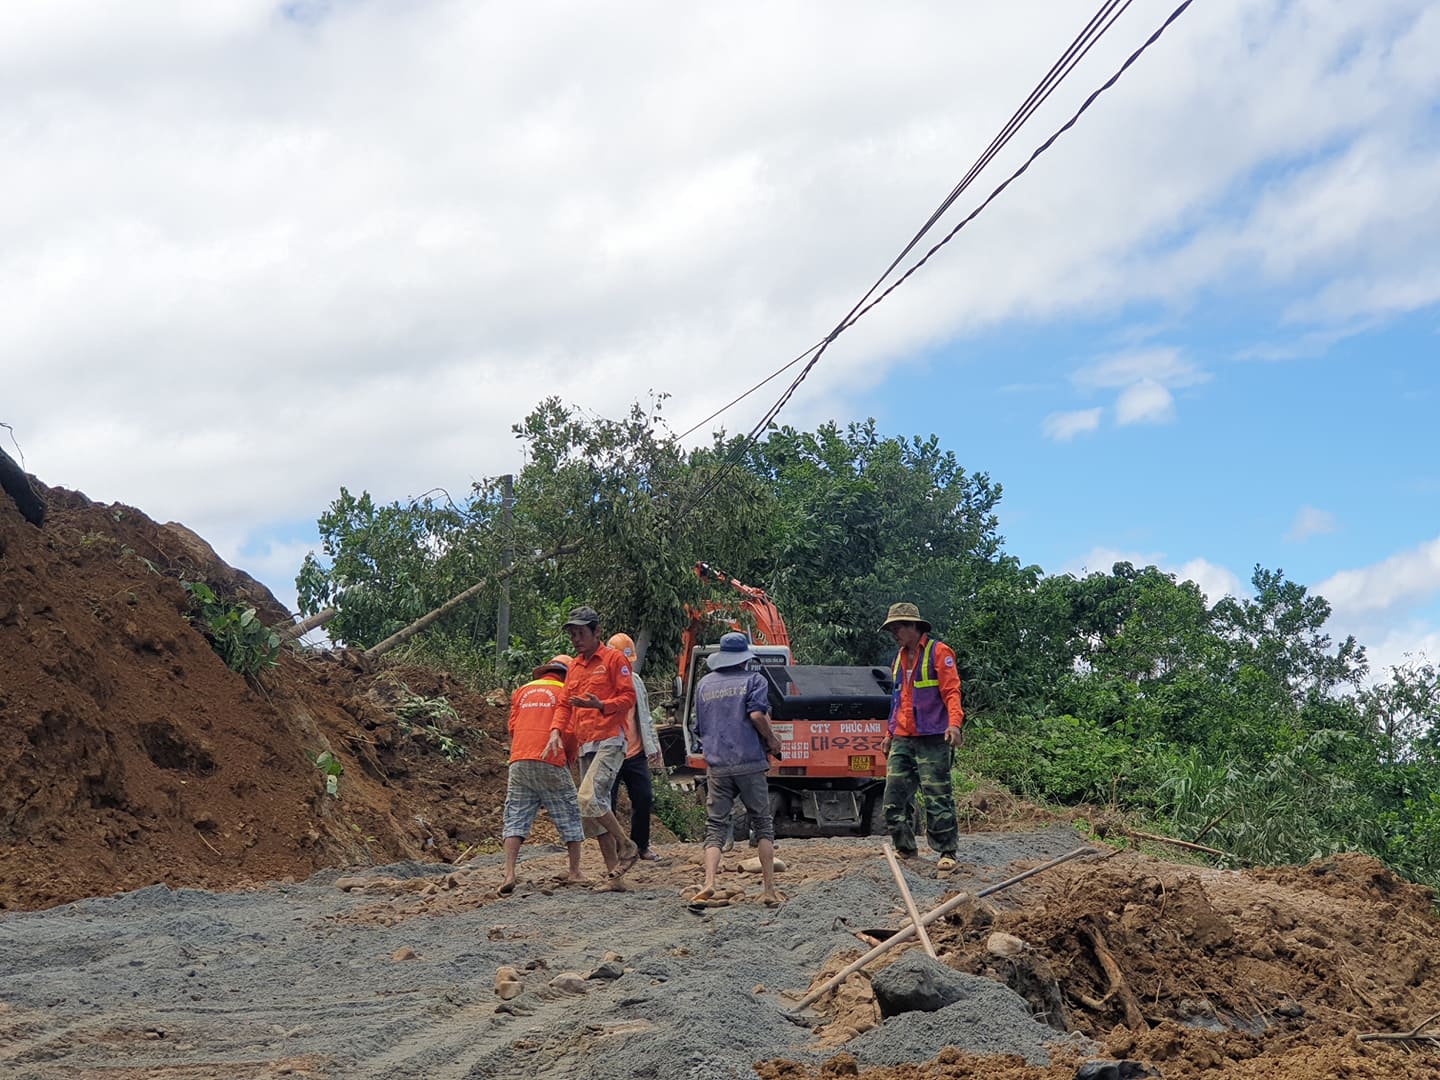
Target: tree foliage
[1242,721]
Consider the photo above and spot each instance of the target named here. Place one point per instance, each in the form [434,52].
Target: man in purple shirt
[732,720]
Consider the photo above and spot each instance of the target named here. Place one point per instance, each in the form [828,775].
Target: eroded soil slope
[132,755]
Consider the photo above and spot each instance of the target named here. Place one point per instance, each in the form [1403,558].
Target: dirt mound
[133,755]
[1265,973]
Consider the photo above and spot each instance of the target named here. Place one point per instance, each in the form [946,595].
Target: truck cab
[830,721]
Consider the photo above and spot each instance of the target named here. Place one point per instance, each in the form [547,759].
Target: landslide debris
[1191,971]
[132,755]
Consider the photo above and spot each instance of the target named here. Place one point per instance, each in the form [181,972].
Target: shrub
[234,631]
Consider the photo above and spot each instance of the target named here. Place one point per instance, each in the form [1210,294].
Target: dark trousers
[635,774]
[923,762]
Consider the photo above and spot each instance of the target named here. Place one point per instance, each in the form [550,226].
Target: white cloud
[1147,402]
[1163,366]
[256,257]
[1406,579]
[1396,646]
[1064,426]
[1215,581]
[1309,522]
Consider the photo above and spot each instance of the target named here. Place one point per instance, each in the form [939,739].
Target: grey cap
[734,650]
[583,615]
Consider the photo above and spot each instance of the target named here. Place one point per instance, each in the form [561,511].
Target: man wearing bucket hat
[924,729]
[732,721]
[597,694]
[538,777]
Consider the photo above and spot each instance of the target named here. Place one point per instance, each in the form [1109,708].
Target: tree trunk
[402,636]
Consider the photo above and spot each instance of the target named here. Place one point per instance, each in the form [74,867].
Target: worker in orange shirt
[642,753]
[538,776]
[924,729]
[597,694]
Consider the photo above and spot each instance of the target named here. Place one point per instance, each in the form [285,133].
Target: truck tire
[740,825]
[17,485]
[875,817]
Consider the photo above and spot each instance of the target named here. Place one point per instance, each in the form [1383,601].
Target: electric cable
[862,308]
[1073,54]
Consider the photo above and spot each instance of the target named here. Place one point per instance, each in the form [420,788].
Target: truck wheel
[875,815]
[740,825]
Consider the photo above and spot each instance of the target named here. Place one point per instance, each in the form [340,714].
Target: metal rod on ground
[902,936]
[401,636]
[909,900]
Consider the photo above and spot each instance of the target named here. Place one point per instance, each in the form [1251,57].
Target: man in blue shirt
[732,720]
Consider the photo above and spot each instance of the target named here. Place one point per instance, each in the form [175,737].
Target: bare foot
[612,884]
[706,893]
[773,898]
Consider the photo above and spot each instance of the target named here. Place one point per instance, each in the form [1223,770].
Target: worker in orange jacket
[924,729]
[597,695]
[538,775]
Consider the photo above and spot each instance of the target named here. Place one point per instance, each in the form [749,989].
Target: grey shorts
[598,774]
[720,795]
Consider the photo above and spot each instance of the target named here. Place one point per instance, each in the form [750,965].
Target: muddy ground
[133,759]
[304,977]
[391,973]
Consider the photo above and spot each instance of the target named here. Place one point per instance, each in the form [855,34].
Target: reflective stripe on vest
[927,707]
[925,673]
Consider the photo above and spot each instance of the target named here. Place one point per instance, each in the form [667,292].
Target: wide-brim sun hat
[903,612]
[734,651]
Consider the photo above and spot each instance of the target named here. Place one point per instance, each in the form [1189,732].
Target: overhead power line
[866,304]
[1105,17]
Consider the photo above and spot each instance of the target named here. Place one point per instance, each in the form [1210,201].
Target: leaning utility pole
[502,611]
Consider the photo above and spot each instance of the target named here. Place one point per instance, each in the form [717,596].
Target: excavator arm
[753,612]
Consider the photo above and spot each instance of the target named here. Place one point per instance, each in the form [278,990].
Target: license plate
[861,762]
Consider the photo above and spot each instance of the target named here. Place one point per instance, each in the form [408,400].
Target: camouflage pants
[921,761]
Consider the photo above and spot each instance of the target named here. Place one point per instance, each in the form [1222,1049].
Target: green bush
[1059,759]
[234,631]
[681,812]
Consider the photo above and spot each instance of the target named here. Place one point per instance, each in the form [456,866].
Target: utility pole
[502,613]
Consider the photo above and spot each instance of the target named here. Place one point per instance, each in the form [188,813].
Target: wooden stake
[909,900]
[1178,843]
[931,916]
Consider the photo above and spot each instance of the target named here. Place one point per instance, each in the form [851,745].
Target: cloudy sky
[254,251]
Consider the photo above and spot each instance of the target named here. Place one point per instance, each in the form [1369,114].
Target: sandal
[946,862]
[625,862]
[505,888]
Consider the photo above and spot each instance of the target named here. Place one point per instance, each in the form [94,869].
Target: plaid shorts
[533,784]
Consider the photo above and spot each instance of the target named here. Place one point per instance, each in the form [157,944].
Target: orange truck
[830,721]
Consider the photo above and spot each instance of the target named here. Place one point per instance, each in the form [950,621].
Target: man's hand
[553,746]
[656,760]
[885,745]
[954,736]
[773,746]
[587,701]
